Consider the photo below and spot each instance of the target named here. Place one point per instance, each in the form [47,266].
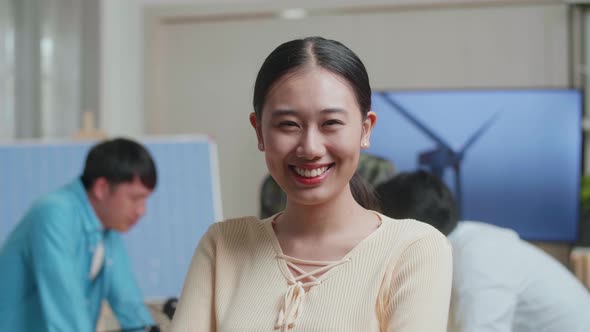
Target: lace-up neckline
[294,298]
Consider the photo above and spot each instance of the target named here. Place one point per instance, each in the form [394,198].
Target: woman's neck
[340,214]
[324,232]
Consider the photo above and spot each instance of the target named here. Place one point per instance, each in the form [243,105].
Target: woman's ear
[254,122]
[368,125]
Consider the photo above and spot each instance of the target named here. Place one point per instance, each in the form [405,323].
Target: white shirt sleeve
[489,309]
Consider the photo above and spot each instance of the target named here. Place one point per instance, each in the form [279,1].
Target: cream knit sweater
[397,279]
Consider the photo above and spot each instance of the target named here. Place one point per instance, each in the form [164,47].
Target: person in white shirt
[500,282]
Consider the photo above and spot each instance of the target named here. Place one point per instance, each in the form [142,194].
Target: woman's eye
[288,124]
[333,122]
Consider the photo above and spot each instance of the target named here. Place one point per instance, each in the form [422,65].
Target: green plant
[585,193]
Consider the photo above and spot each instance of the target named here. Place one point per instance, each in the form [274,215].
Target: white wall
[121,95]
[200,73]
[7,70]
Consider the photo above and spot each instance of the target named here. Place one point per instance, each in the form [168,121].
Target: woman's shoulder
[414,242]
[410,231]
[240,226]
[239,221]
[237,236]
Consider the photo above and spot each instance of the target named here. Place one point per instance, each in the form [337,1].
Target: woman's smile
[309,174]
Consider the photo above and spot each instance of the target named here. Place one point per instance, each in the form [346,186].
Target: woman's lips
[311,174]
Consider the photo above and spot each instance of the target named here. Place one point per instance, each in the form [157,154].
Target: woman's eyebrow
[282,112]
[333,110]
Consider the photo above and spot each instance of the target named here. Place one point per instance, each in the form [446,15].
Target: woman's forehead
[318,89]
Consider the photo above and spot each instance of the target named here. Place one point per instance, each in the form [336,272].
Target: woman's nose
[311,145]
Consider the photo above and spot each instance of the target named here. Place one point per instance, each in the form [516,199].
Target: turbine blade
[427,131]
[478,133]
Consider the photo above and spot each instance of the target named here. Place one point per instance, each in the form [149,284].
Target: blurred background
[154,67]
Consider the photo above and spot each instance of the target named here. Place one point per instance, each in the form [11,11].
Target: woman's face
[312,131]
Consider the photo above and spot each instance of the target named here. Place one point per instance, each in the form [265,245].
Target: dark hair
[324,53]
[119,160]
[330,55]
[422,196]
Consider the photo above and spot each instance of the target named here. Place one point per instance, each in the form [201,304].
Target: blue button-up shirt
[45,263]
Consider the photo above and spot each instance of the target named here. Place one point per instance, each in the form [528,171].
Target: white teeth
[311,173]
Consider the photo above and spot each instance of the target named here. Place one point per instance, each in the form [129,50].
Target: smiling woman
[311,129]
[351,268]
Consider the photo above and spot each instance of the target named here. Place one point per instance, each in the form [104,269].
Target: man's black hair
[422,196]
[119,160]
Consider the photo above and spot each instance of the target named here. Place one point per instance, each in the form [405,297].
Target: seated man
[500,283]
[66,254]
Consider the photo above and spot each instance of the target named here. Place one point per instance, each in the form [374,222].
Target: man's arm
[484,309]
[53,256]
[124,295]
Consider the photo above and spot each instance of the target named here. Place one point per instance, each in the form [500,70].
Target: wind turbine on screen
[443,155]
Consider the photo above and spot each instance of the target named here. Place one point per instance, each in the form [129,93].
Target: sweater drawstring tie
[295,296]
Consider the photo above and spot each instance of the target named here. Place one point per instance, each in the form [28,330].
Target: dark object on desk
[153,328]
[170,307]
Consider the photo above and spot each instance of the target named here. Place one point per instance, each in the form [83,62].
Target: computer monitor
[521,170]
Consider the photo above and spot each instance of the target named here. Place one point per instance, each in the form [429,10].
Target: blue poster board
[523,172]
[184,204]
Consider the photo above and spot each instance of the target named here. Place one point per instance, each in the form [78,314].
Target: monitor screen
[517,153]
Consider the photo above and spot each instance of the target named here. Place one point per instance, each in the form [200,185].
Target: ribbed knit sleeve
[415,294]
[195,310]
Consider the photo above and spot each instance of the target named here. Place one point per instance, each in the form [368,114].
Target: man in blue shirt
[66,255]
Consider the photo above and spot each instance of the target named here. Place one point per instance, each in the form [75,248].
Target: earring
[365,145]
[260,146]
